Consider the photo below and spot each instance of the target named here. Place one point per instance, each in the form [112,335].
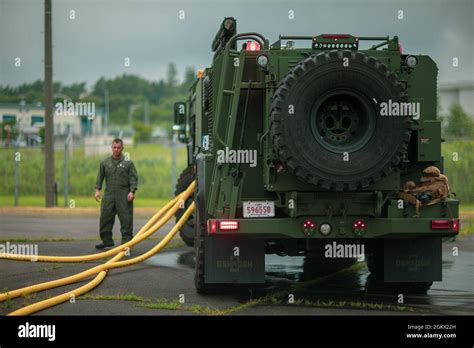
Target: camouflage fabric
[438,187]
[410,198]
[433,187]
[431,171]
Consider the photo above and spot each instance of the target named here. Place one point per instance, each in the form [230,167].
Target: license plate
[259,209]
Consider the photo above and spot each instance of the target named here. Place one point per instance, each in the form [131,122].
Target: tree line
[135,95]
[125,93]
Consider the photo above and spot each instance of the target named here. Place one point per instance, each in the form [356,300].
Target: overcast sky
[151,34]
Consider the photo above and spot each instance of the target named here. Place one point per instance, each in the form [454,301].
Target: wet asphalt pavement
[163,285]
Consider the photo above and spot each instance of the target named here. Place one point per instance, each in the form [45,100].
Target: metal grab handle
[251,35]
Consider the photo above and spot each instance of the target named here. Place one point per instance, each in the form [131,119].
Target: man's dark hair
[117,140]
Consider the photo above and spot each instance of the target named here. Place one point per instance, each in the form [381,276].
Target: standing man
[121,183]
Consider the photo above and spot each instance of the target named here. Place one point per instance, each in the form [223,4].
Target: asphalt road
[163,285]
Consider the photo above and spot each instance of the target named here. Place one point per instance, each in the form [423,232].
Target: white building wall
[466,99]
[461,93]
[446,100]
[24,117]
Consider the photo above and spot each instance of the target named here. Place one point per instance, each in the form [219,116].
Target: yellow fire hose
[96,256]
[144,232]
[38,306]
[79,276]
[76,277]
[103,271]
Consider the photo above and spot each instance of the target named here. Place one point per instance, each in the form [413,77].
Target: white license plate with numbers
[259,209]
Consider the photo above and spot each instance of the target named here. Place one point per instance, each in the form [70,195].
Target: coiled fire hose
[120,251]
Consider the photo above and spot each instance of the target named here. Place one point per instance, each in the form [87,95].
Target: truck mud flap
[412,260]
[234,260]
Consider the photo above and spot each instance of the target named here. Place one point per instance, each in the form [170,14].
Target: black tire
[199,283]
[322,110]
[187,230]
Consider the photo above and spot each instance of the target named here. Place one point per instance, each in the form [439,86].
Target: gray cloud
[151,34]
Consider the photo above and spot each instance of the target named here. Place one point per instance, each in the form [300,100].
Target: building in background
[28,119]
[461,93]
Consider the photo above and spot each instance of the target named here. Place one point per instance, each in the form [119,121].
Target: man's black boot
[103,246]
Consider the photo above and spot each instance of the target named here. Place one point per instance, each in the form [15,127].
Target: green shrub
[458,166]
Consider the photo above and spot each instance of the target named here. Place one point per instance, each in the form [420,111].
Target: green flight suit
[121,178]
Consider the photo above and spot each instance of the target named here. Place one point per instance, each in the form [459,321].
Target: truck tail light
[211,226]
[359,223]
[456,225]
[359,227]
[308,227]
[445,225]
[228,225]
[440,224]
[222,225]
[308,224]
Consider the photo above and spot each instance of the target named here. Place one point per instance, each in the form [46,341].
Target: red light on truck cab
[252,46]
[335,36]
[228,225]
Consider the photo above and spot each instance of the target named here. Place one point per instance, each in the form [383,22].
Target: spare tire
[326,123]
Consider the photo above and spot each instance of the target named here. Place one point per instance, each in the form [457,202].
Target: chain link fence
[76,167]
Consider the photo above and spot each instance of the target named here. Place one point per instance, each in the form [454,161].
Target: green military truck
[305,144]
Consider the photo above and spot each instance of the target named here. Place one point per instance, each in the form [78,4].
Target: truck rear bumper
[340,228]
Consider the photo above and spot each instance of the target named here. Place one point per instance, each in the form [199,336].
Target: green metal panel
[422,86]
[226,108]
[427,140]
[276,228]
[287,181]
[198,111]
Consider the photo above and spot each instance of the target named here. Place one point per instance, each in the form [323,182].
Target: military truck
[304,144]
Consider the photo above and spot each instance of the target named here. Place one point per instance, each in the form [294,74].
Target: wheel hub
[342,121]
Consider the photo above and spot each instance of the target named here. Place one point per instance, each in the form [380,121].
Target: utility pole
[48,108]
[106,102]
[146,112]
[131,109]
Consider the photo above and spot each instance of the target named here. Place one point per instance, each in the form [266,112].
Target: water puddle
[455,291]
